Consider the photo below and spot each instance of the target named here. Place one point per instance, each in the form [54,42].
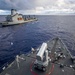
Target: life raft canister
[20,18]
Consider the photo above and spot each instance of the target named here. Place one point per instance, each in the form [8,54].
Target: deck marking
[51,70]
[32,70]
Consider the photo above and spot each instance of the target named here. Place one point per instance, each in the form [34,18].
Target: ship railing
[6,65]
[72,57]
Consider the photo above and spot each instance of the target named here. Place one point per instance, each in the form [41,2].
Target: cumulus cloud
[39,6]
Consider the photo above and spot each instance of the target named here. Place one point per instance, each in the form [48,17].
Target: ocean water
[19,39]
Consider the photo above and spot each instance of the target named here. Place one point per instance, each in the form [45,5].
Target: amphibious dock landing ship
[15,19]
[51,58]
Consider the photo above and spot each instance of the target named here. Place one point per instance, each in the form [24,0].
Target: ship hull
[16,23]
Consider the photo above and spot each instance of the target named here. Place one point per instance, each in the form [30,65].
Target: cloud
[17,4]
[4,12]
[39,6]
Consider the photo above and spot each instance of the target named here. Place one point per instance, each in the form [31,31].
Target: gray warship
[51,58]
[16,19]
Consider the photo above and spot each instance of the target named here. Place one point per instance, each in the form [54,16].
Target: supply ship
[50,58]
[16,19]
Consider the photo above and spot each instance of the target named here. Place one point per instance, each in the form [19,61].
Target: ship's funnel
[13,12]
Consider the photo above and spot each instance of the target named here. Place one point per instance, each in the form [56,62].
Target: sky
[39,7]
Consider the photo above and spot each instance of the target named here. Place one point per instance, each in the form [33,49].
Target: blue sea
[19,39]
